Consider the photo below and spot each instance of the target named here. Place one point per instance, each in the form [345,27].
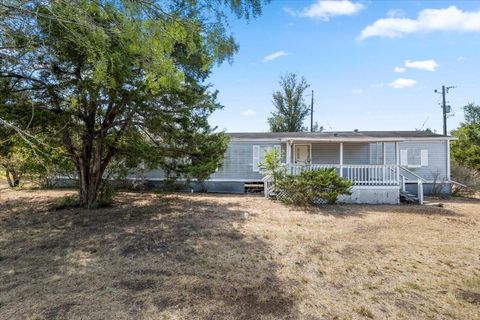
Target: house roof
[339,136]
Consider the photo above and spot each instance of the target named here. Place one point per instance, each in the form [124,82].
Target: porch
[364,163]
[360,175]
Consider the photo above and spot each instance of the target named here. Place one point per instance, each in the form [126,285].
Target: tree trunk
[13,177]
[9,179]
[90,179]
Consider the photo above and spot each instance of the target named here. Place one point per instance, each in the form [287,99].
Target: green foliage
[468,177]
[70,201]
[312,187]
[117,83]
[466,150]
[106,195]
[272,165]
[290,106]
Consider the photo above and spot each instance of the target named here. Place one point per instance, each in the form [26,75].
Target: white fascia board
[340,140]
[430,139]
[213,180]
[399,139]
[257,140]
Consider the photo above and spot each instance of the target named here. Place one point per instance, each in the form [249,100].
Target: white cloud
[399,69]
[249,113]
[325,9]
[357,91]
[401,83]
[428,20]
[275,55]
[395,13]
[428,65]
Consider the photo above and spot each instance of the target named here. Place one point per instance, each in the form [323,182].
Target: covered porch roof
[338,136]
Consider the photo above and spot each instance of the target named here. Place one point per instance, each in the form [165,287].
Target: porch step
[407,197]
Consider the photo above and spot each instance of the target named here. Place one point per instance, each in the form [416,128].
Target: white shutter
[424,158]
[256,158]
[404,157]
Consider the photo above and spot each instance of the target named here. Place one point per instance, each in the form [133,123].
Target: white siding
[437,158]
[238,161]
[325,153]
[356,153]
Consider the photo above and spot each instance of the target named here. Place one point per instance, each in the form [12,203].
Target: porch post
[288,159]
[341,159]
[288,154]
[384,153]
[397,159]
[448,162]
[384,161]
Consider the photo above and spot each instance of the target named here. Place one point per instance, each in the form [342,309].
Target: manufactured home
[382,165]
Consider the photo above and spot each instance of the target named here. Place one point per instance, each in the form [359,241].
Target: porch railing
[364,175]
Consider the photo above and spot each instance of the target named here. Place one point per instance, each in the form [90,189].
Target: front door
[302,154]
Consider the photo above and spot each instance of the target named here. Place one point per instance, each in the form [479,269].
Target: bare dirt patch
[187,256]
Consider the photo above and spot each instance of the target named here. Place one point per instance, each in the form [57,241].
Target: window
[414,158]
[259,153]
[404,157]
[424,158]
[376,152]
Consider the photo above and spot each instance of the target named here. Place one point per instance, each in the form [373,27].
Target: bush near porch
[312,187]
[307,188]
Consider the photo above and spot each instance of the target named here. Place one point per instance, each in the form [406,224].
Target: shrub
[313,187]
[466,176]
[106,195]
[70,201]
[272,165]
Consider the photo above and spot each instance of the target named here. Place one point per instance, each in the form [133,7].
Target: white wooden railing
[364,175]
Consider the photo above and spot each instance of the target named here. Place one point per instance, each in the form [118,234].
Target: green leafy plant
[272,165]
[106,195]
[70,201]
[313,187]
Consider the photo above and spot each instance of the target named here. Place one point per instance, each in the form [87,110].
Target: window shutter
[256,158]
[424,158]
[404,157]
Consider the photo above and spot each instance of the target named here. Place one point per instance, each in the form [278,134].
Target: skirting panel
[372,195]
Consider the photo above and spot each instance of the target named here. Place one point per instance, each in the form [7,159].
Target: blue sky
[373,65]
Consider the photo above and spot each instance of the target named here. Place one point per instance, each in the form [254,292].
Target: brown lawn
[197,256]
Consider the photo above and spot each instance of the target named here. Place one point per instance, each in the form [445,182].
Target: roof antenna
[424,123]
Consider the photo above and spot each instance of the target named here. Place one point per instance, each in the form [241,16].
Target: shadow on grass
[183,257]
[342,211]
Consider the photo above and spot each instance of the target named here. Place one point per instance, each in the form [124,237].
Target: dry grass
[187,256]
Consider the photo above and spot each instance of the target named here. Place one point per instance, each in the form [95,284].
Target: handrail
[267,177]
[458,183]
[412,173]
[359,174]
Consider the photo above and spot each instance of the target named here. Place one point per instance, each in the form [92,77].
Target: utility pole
[445,108]
[311,114]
